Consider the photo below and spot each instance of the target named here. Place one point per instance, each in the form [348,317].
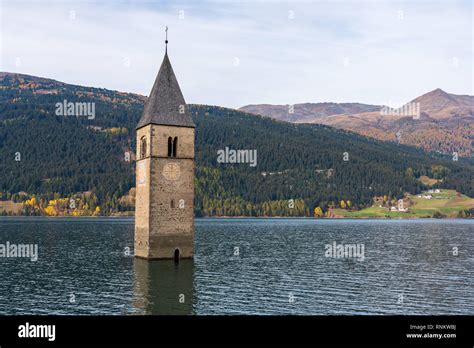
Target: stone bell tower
[164,208]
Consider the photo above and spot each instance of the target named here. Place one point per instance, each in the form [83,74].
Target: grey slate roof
[165,100]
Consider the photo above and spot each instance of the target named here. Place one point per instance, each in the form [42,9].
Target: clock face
[171,171]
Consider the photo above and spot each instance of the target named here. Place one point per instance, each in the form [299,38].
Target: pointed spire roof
[166,105]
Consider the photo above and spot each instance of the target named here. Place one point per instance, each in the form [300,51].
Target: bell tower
[164,208]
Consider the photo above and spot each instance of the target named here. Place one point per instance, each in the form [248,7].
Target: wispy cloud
[235,53]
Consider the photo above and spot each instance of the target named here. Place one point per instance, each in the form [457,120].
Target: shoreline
[241,217]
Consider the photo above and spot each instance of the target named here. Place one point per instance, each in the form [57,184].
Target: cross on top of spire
[166,40]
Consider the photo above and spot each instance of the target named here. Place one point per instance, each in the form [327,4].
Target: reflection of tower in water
[163,287]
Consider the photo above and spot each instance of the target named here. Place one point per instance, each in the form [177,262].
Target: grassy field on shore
[446,202]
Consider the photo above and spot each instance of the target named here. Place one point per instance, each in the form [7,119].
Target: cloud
[238,53]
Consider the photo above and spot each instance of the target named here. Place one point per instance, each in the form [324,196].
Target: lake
[242,266]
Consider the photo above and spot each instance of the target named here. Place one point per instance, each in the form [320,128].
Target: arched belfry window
[170,146]
[172,204]
[143,147]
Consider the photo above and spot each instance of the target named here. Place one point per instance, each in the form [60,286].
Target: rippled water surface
[242,266]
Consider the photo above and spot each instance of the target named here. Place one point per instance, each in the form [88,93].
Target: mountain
[49,160]
[444,106]
[307,112]
[445,122]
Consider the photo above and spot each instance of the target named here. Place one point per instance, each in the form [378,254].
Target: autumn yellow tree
[343,204]
[31,201]
[349,203]
[50,210]
[318,212]
[97,211]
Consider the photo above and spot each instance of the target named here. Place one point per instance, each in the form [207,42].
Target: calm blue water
[242,266]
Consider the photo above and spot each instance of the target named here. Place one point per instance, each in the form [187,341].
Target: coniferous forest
[67,165]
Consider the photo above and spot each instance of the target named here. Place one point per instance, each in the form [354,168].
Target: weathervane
[166,40]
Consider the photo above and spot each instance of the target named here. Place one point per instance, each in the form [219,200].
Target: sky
[234,53]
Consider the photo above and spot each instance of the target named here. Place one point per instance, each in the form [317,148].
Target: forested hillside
[56,159]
